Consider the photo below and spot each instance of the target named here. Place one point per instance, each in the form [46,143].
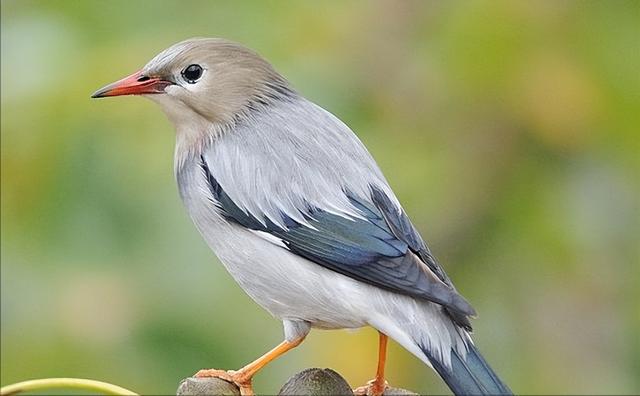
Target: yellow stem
[73,383]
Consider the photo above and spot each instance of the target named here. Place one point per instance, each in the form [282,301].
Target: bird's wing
[380,246]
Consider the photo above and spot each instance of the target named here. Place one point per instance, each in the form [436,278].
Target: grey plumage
[301,216]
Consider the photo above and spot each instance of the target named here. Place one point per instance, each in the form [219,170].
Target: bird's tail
[470,374]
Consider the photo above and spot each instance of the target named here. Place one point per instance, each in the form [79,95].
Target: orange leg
[242,378]
[376,386]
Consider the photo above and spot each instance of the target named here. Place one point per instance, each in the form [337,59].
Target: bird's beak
[136,84]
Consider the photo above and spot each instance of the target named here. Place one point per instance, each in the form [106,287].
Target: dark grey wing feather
[381,248]
[402,228]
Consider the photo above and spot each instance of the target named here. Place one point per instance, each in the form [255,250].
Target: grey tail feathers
[469,375]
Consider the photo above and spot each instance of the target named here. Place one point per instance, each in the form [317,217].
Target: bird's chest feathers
[195,192]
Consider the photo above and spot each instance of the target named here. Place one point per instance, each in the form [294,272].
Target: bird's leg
[376,386]
[242,378]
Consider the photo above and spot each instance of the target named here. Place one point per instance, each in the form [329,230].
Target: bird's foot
[242,381]
[375,387]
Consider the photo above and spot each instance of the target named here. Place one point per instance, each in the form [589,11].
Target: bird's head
[207,78]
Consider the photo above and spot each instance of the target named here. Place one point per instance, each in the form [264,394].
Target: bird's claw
[235,377]
[375,387]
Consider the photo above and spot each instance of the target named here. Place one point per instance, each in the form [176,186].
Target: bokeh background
[510,131]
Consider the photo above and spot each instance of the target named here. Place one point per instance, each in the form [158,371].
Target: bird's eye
[192,73]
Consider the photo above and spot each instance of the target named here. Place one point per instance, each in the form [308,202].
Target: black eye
[192,73]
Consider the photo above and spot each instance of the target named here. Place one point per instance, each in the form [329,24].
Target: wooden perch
[206,386]
[312,381]
[315,381]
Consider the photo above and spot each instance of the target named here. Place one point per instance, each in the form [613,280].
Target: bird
[301,216]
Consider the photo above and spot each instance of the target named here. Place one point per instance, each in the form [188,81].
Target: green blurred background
[509,130]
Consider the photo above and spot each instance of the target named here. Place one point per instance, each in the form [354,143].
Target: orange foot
[375,387]
[235,377]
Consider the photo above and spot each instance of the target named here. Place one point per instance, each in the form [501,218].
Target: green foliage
[509,130]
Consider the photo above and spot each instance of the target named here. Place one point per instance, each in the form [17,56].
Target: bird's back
[290,155]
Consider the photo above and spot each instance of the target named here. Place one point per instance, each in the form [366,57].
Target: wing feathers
[380,247]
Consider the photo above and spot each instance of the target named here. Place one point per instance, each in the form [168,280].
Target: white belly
[288,286]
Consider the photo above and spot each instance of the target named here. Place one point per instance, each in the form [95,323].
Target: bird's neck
[193,132]
[193,138]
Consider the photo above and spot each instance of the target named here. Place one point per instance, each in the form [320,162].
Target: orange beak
[135,84]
